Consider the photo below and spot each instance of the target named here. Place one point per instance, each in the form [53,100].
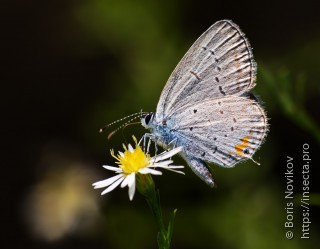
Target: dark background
[68,67]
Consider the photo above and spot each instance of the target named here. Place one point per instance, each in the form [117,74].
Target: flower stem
[146,187]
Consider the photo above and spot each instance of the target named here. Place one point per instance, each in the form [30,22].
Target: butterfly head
[147,120]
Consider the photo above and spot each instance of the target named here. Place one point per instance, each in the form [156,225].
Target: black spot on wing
[195,75]
[215,150]
[222,92]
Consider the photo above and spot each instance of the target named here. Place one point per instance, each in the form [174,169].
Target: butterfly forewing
[218,64]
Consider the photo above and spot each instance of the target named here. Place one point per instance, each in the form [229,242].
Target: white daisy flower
[133,161]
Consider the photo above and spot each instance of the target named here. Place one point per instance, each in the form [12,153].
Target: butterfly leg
[144,142]
[144,138]
[150,137]
[149,143]
[200,168]
[174,142]
[155,147]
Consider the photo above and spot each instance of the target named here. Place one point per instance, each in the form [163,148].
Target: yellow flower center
[132,161]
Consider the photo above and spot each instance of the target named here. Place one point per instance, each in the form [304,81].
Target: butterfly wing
[206,108]
[218,64]
[223,130]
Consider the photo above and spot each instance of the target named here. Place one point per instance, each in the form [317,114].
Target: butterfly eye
[148,118]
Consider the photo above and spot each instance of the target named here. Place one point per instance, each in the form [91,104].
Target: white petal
[112,168]
[150,171]
[176,166]
[130,148]
[125,181]
[161,164]
[176,171]
[165,166]
[131,179]
[112,187]
[167,154]
[155,158]
[171,168]
[107,182]
[132,189]
[121,154]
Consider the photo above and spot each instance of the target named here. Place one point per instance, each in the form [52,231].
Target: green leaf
[170,226]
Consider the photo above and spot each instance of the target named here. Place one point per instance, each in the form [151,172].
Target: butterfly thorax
[162,131]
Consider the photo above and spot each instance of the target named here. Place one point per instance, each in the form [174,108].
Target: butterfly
[206,105]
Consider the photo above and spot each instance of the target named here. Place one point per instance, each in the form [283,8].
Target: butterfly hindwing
[223,130]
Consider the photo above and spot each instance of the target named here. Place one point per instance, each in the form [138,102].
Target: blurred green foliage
[290,95]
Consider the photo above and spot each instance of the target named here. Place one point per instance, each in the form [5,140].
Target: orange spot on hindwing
[244,144]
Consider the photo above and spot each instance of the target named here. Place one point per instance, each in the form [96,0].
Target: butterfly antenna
[135,115]
[122,126]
